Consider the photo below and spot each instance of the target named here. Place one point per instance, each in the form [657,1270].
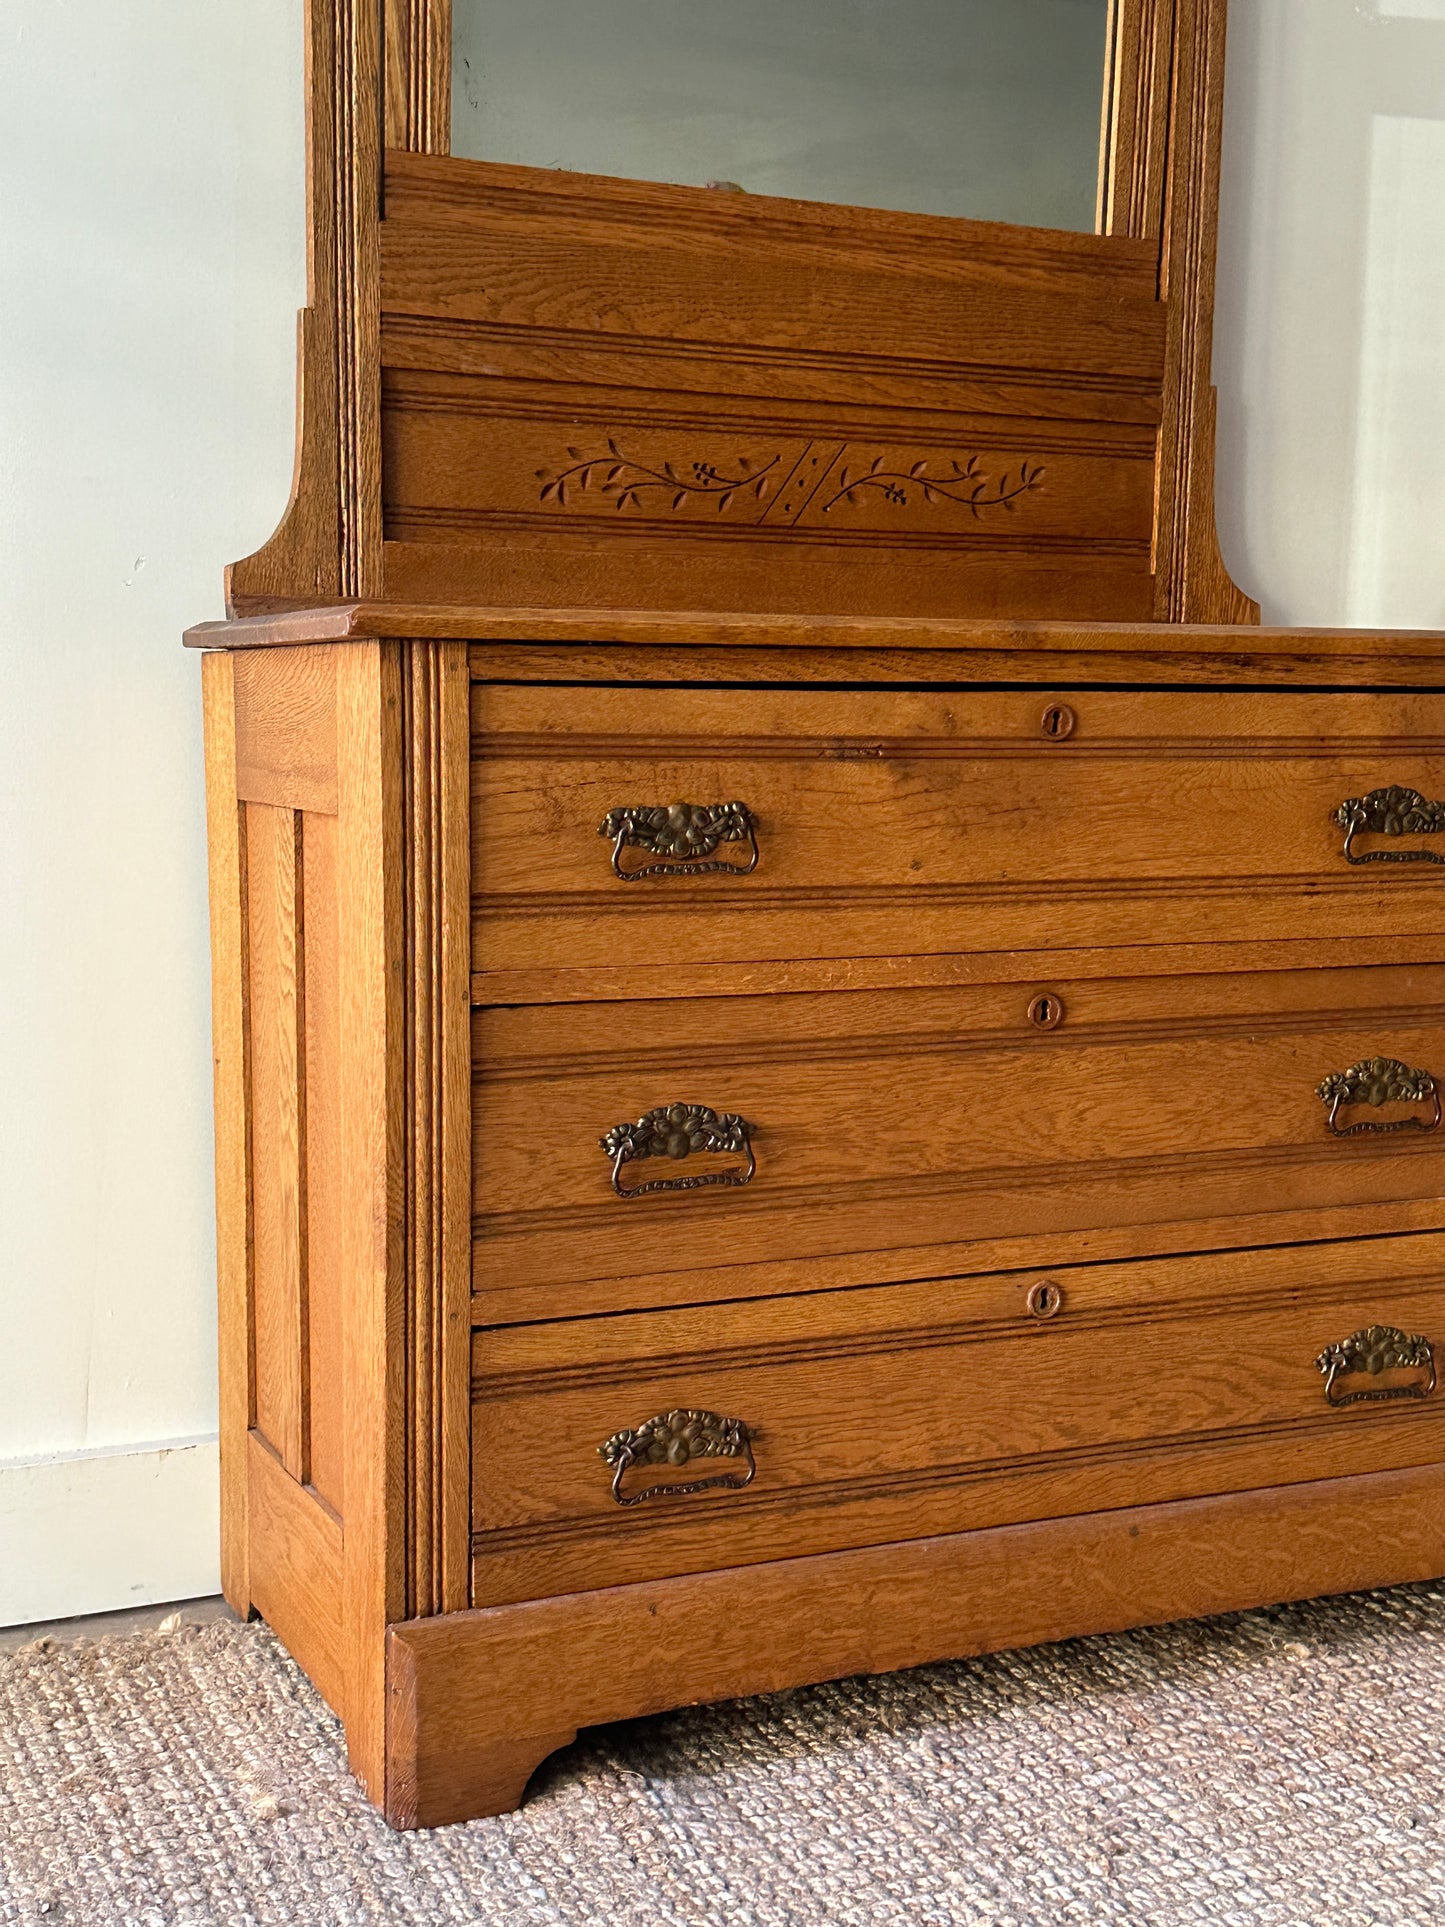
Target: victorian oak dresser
[825,1054]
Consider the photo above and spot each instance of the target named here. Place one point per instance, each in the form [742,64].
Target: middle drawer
[612,1140]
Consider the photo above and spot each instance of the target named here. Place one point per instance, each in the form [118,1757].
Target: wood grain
[940,1406]
[877,1110]
[328,541]
[276,1002]
[286,729]
[325,1178]
[371,972]
[471,1689]
[904,822]
[225,831]
[296,1567]
[652,645]
[438,1151]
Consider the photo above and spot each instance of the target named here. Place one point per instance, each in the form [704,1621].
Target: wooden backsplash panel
[677,399]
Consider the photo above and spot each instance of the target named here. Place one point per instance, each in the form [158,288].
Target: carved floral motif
[965,485]
[674,484]
[625,482]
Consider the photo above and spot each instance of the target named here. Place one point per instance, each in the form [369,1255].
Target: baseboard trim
[474,1696]
[94,1532]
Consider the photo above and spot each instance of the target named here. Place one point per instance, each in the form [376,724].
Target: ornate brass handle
[1376,1349]
[676,1131]
[1393,811]
[682,837]
[1376,1081]
[676,1439]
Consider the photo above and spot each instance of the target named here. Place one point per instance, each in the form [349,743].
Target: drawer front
[612,1446]
[850,1122]
[884,823]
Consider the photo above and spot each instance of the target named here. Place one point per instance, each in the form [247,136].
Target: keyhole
[1047,1011]
[1045,1299]
[1057,722]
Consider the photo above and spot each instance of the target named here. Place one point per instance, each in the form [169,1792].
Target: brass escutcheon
[1046,1012]
[1045,1299]
[1057,722]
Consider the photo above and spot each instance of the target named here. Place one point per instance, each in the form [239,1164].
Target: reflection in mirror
[987,108]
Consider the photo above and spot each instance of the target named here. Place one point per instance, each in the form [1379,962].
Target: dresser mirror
[985,108]
[945,354]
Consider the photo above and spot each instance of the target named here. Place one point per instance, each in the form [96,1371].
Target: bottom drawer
[855,1417]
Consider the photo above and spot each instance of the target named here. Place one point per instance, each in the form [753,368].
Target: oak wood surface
[276,1002]
[470,1689]
[913,1112]
[225,829]
[940,1406]
[776,976]
[286,729]
[325,1178]
[1318,1204]
[1371,652]
[434,775]
[890,822]
[371,957]
[296,1570]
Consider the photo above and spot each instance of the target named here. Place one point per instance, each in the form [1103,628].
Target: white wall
[150,266]
[1329,347]
[151,262]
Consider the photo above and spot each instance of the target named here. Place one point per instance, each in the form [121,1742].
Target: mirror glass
[987,108]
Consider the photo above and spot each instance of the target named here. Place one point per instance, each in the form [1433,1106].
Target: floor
[1279,1768]
[136,1619]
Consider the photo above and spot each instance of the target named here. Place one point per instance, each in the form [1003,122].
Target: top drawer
[885,823]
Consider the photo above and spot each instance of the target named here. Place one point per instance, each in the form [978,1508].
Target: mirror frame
[379,88]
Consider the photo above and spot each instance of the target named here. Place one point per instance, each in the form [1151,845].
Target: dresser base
[476,1700]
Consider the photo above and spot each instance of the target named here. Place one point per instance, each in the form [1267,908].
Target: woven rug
[1283,1768]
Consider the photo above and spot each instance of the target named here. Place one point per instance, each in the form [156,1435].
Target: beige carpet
[1273,1769]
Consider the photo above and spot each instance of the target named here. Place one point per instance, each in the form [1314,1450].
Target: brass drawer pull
[1376,1349]
[682,837]
[676,1131]
[1393,811]
[676,1439]
[1376,1081]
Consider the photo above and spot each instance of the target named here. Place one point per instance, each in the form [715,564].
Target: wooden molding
[435,802]
[434,336]
[473,1696]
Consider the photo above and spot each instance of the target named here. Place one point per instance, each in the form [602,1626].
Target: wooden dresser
[759,1146]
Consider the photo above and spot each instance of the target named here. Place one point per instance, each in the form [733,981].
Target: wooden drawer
[943,1406]
[889,824]
[935,1116]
